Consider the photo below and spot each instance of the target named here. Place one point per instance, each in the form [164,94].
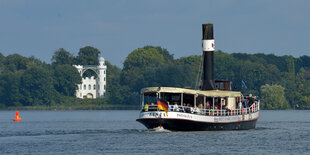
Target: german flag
[162,105]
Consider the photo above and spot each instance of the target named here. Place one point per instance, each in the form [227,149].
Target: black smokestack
[208,57]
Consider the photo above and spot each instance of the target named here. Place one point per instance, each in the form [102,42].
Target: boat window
[220,103]
[171,98]
[209,103]
[199,101]
[150,98]
[188,100]
[217,103]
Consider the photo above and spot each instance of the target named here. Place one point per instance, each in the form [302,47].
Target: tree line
[31,82]
[281,82]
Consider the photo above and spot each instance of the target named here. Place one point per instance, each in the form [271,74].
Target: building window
[94,87]
[84,86]
[98,87]
[103,94]
[104,79]
[89,87]
[103,72]
[104,86]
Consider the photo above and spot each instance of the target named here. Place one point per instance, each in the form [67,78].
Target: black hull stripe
[186,125]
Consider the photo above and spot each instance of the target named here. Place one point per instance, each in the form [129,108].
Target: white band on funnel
[208,45]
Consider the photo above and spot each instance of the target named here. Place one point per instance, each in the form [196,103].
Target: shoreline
[99,107]
[75,107]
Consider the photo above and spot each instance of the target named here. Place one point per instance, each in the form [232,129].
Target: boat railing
[210,112]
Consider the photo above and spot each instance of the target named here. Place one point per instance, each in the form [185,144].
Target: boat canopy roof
[211,93]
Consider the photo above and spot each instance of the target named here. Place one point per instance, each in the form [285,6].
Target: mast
[208,57]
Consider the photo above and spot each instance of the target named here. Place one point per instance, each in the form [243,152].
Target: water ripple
[67,132]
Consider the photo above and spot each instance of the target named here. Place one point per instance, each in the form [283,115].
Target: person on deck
[227,110]
[196,110]
[192,109]
[240,104]
[223,104]
[169,106]
[207,105]
[200,107]
[216,110]
[146,107]
[189,109]
[245,103]
[211,112]
[251,100]
[175,106]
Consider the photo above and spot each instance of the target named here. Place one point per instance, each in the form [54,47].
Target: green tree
[66,79]
[2,67]
[37,87]
[9,89]
[193,71]
[289,81]
[253,69]
[164,52]
[35,62]
[88,56]
[166,76]
[62,57]
[226,68]
[306,90]
[195,62]
[261,58]
[117,93]
[305,62]
[16,62]
[113,84]
[272,97]
[302,94]
[137,61]
[2,58]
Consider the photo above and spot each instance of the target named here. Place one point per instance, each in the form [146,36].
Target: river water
[117,132]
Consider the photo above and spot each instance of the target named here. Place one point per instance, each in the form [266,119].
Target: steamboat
[214,107]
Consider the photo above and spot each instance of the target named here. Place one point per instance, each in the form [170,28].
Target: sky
[116,27]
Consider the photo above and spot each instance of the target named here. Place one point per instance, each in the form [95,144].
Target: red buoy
[17,118]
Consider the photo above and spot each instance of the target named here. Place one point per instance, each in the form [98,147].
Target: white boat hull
[179,121]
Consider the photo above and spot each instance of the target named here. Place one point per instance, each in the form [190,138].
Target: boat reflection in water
[214,107]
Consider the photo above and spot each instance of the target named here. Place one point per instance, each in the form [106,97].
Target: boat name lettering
[184,116]
[154,114]
[220,119]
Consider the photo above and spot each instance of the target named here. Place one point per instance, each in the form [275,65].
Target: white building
[92,87]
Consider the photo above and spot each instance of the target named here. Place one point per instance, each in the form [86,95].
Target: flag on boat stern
[162,105]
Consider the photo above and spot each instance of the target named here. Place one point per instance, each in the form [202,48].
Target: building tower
[101,80]
[92,87]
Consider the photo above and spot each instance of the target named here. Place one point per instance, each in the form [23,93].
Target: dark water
[117,132]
